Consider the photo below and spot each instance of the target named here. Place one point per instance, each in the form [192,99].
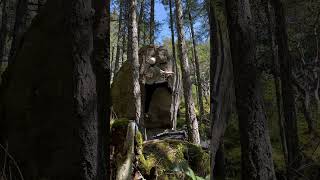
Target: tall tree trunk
[125,30]
[176,81]
[19,28]
[120,33]
[101,56]
[307,113]
[221,77]
[196,62]
[133,57]
[191,119]
[276,72]
[112,61]
[4,31]
[256,151]
[172,31]
[286,88]
[85,96]
[60,95]
[152,22]
[141,20]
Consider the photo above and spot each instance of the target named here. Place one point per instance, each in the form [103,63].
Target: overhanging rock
[158,92]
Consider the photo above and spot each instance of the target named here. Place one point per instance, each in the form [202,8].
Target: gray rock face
[156,77]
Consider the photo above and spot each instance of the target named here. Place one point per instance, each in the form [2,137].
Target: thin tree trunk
[101,56]
[172,32]
[120,33]
[144,33]
[4,31]
[141,20]
[276,73]
[191,119]
[112,62]
[197,66]
[307,113]
[125,31]
[176,81]
[19,28]
[221,77]
[152,22]
[256,150]
[85,96]
[287,89]
[133,57]
[317,74]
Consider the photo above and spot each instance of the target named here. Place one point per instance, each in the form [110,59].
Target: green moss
[119,123]
[139,139]
[172,158]
[119,129]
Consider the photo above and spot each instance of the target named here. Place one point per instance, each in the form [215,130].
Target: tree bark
[152,22]
[176,81]
[85,96]
[61,95]
[133,57]
[196,62]
[256,151]
[101,56]
[4,31]
[191,119]
[120,33]
[172,31]
[307,113]
[286,88]
[141,20]
[19,28]
[276,72]
[221,76]
[125,31]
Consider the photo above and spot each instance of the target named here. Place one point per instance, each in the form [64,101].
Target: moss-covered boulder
[173,158]
[156,77]
[122,93]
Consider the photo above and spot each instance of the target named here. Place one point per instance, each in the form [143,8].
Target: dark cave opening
[150,89]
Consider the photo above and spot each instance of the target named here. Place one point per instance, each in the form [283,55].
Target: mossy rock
[123,136]
[119,131]
[172,158]
[122,93]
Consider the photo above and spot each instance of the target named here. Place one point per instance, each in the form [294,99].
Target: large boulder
[173,159]
[156,77]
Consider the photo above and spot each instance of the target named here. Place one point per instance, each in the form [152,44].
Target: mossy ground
[172,158]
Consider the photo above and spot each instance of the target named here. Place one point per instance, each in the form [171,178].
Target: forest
[159,90]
